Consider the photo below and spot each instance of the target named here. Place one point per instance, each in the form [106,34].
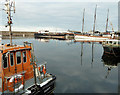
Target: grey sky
[35,15]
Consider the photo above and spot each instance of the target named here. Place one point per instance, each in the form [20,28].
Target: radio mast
[10,7]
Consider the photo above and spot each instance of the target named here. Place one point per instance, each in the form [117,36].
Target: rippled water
[77,70]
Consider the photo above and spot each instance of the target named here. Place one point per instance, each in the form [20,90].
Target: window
[18,55]
[118,42]
[115,43]
[110,42]
[11,59]
[5,61]
[24,57]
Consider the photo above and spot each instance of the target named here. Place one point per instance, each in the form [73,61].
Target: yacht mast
[82,33]
[83,20]
[107,21]
[94,20]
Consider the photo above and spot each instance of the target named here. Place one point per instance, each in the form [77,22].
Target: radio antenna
[10,7]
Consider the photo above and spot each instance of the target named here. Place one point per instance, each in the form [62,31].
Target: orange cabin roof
[5,48]
[15,68]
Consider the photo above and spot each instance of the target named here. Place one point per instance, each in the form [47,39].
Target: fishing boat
[19,72]
[112,47]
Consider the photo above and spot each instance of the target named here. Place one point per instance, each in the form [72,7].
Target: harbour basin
[78,66]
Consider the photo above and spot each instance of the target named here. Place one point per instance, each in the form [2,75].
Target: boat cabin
[112,42]
[112,47]
[14,60]
[20,74]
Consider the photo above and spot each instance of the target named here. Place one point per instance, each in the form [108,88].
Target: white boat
[90,38]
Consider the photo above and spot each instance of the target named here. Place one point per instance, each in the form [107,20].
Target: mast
[107,21]
[10,6]
[82,33]
[94,20]
[33,63]
[83,21]
[93,34]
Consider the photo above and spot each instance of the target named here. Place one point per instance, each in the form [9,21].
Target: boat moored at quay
[54,35]
[112,47]
[19,72]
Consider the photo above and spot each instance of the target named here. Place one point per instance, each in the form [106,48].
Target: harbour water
[79,67]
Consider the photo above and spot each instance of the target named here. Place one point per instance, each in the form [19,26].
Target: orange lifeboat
[18,70]
[20,74]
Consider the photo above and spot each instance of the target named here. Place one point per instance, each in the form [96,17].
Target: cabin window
[24,57]
[5,61]
[118,42]
[18,55]
[114,42]
[11,59]
[110,42]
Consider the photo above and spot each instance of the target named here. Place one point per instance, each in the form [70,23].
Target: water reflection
[43,40]
[92,54]
[111,55]
[57,39]
[71,62]
[110,61]
[81,52]
[82,46]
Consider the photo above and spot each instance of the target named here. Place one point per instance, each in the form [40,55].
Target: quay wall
[15,34]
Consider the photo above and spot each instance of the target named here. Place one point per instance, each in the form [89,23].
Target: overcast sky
[33,15]
[67,0]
